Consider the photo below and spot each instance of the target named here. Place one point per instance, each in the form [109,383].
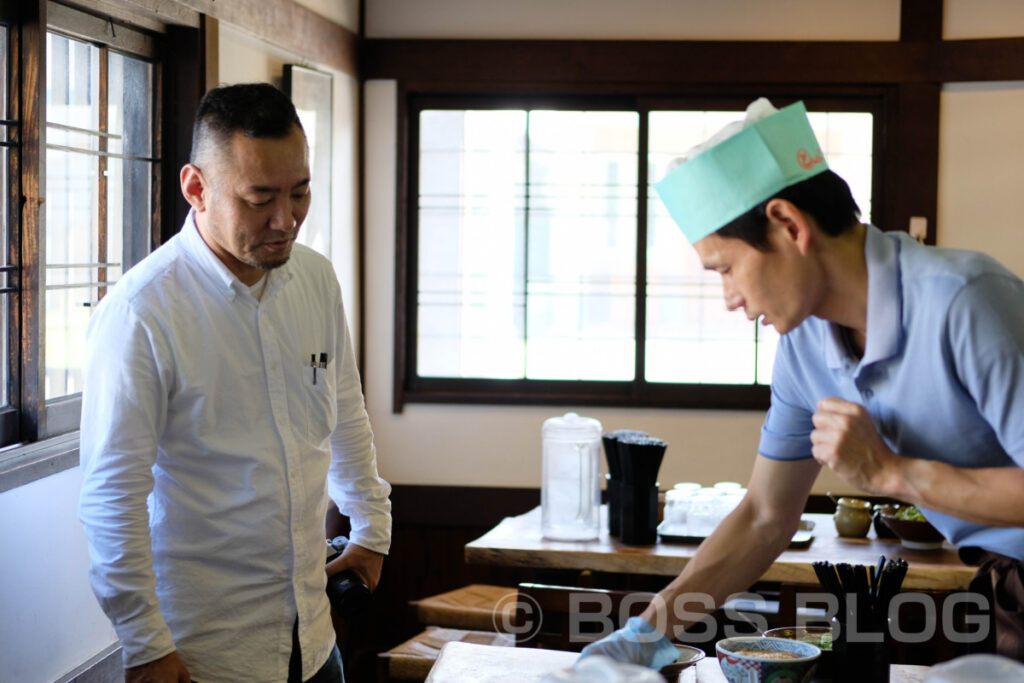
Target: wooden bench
[478,607]
[413,659]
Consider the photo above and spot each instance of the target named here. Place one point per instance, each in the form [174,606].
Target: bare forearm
[992,495]
[720,568]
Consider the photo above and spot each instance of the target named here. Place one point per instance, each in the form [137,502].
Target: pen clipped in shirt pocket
[320,399]
[315,374]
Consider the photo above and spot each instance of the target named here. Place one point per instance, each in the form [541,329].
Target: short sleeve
[986,333]
[786,432]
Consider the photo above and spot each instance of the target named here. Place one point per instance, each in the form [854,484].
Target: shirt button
[868,393]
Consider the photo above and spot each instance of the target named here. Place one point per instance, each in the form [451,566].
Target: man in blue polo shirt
[900,368]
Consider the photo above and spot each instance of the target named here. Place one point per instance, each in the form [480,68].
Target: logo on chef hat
[517,614]
[807,160]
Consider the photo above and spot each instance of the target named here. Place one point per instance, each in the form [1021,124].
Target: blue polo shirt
[942,373]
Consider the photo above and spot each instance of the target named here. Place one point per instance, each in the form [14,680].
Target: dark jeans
[330,672]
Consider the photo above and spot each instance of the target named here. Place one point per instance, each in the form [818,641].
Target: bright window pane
[72,207]
[472,174]
[691,338]
[515,283]
[98,189]
[582,245]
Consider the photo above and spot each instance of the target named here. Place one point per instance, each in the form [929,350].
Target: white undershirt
[257,289]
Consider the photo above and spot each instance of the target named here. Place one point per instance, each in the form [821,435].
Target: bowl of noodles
[754,659]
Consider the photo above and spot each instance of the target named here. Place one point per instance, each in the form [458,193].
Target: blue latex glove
[635,643]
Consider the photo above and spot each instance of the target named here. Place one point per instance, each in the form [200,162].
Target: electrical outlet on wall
[918,228]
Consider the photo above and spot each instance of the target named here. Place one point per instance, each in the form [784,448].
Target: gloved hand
[635,643]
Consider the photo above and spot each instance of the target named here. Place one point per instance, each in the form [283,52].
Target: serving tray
[801,539]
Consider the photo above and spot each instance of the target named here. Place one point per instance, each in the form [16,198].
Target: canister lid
[572,426]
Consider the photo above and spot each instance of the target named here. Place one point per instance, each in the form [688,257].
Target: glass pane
[127,238]
[581,309]
[471,244]
[98,209]
[847,140]
[72,207]
[311,92]
[691,338]
[129,111]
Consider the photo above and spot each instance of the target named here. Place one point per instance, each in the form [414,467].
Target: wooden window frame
[43,439]
[45,418]
[10,413]
[910,71]
[637,392]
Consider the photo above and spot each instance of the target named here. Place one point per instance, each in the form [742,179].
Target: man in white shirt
[222,407]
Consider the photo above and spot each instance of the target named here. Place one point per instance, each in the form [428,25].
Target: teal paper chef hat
[741,166]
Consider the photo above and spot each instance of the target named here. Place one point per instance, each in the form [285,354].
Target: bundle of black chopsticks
[864,593]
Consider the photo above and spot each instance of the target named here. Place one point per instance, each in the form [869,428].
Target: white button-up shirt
[210,439]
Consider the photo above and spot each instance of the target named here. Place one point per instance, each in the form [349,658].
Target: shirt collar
[885,303]
[223,278]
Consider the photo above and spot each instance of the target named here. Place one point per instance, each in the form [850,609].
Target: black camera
[345,590]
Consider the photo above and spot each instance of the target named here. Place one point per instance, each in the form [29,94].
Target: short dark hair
[826,197]
[258,110]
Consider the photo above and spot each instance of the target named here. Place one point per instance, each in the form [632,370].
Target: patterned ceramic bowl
[766,660]
[819,636]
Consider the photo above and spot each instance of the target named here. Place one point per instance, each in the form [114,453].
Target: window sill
[592,393]
[24,464]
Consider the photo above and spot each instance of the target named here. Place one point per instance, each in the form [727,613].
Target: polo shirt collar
[885,304]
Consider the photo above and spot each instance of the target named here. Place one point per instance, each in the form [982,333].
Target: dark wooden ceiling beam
[989,59]
[604,61]
[693,62]
[920,20]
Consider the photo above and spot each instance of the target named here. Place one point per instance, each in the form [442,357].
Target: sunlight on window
[471,244]
[691,338]
[527,237]
[98,189]
[527,244]
[582,245]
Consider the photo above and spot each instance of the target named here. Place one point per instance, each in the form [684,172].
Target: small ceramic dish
[913,534]
[688,656]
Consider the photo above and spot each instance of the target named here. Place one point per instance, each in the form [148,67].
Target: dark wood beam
[183,87]
[289,25]
[911,158]
[920,20]
[644,62]
[989,59]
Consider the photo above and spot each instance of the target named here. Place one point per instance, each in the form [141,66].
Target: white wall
[500,446]
[49,620]
[982,19]
[981,143]
[981,163]
[636,19]
[344,12]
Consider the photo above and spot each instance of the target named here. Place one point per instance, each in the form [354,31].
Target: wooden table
[517,542]
[487,663]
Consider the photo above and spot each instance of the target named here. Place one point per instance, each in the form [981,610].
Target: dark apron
[1001,578]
